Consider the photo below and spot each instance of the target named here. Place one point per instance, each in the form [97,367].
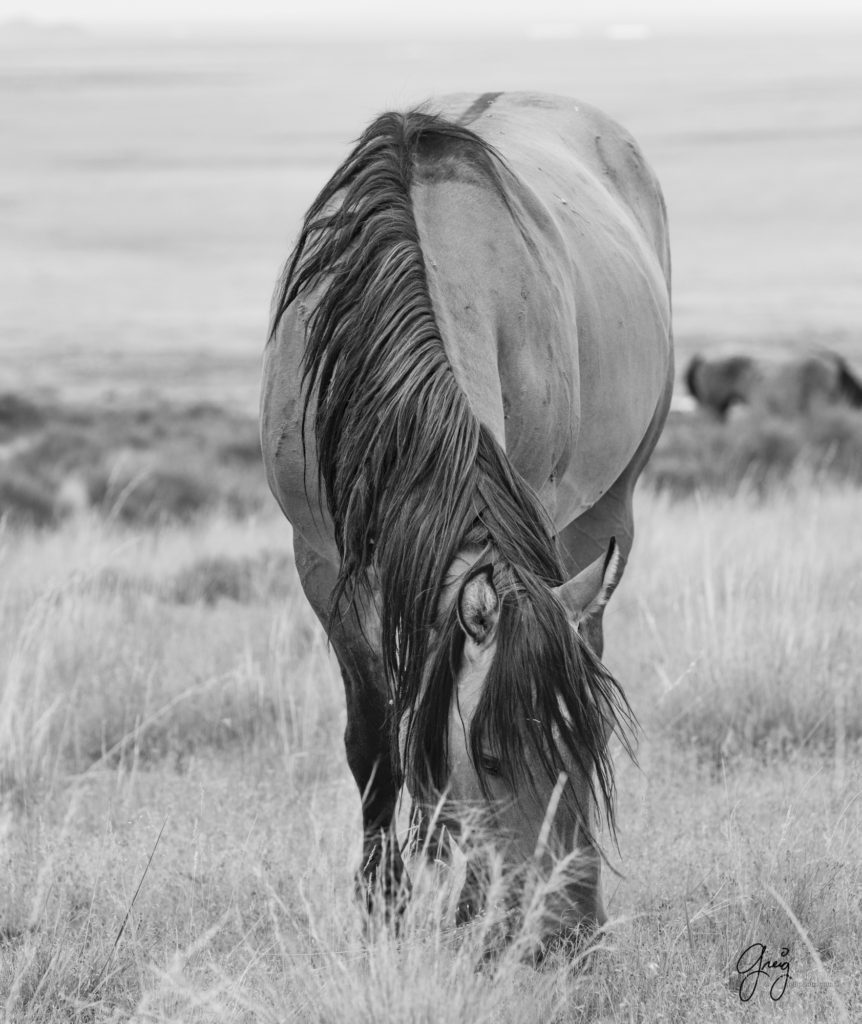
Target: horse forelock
[548,703]
[405,468]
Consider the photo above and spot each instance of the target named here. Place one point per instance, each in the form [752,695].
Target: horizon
[537,30]
[552,19]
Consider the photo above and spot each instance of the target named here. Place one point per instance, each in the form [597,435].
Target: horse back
[553,304]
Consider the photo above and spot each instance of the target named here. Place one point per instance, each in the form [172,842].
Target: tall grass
[173,683]
[756,452]
[122,646]
[740,622]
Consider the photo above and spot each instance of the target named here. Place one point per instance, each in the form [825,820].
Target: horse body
[780,384]
[532,247]
[547,333]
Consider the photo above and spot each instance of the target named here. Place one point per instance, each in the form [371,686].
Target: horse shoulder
[291,467]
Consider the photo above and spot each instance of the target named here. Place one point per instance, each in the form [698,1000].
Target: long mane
[409,474]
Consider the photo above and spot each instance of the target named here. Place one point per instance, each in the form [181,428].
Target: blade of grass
[100,977]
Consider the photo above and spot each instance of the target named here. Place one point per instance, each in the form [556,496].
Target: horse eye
[491,765]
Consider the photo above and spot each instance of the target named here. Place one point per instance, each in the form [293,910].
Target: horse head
[530,710]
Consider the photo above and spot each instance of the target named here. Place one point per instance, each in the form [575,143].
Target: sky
[498,12]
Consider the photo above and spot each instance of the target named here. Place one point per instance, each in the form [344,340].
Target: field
[168,696]
[178,828]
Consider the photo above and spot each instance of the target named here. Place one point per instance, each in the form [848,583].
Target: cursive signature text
[753,964]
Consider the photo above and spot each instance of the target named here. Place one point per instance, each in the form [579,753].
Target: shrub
[17,416]
[208,580]
[697,453]
[143,464]
[24,500]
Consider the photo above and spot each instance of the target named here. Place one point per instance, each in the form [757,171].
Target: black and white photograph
[430,512]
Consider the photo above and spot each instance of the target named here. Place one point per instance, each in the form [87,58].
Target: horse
[469,362]
[786,384]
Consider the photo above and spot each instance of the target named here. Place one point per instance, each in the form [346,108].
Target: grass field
[148,460]
[178,827]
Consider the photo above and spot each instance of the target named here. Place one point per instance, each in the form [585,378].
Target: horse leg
[367,736]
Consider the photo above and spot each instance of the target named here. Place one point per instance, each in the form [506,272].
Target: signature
[753,964]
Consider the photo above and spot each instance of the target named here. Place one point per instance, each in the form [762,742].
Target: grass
[172,682]
[697,454]
[142,462]
[151,461]
[741,620]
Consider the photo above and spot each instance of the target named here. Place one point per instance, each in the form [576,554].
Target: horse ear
[590,590]
[478,605]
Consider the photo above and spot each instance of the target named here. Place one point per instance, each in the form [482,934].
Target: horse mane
[408,472]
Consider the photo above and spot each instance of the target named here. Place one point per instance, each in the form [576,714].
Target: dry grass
[752,452]
[740,620]
[144,462]
[151,461]
[124,711]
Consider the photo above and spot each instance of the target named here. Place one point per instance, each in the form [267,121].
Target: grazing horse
[469,363]
[788,385]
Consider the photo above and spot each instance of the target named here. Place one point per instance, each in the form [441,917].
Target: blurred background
[154,174]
